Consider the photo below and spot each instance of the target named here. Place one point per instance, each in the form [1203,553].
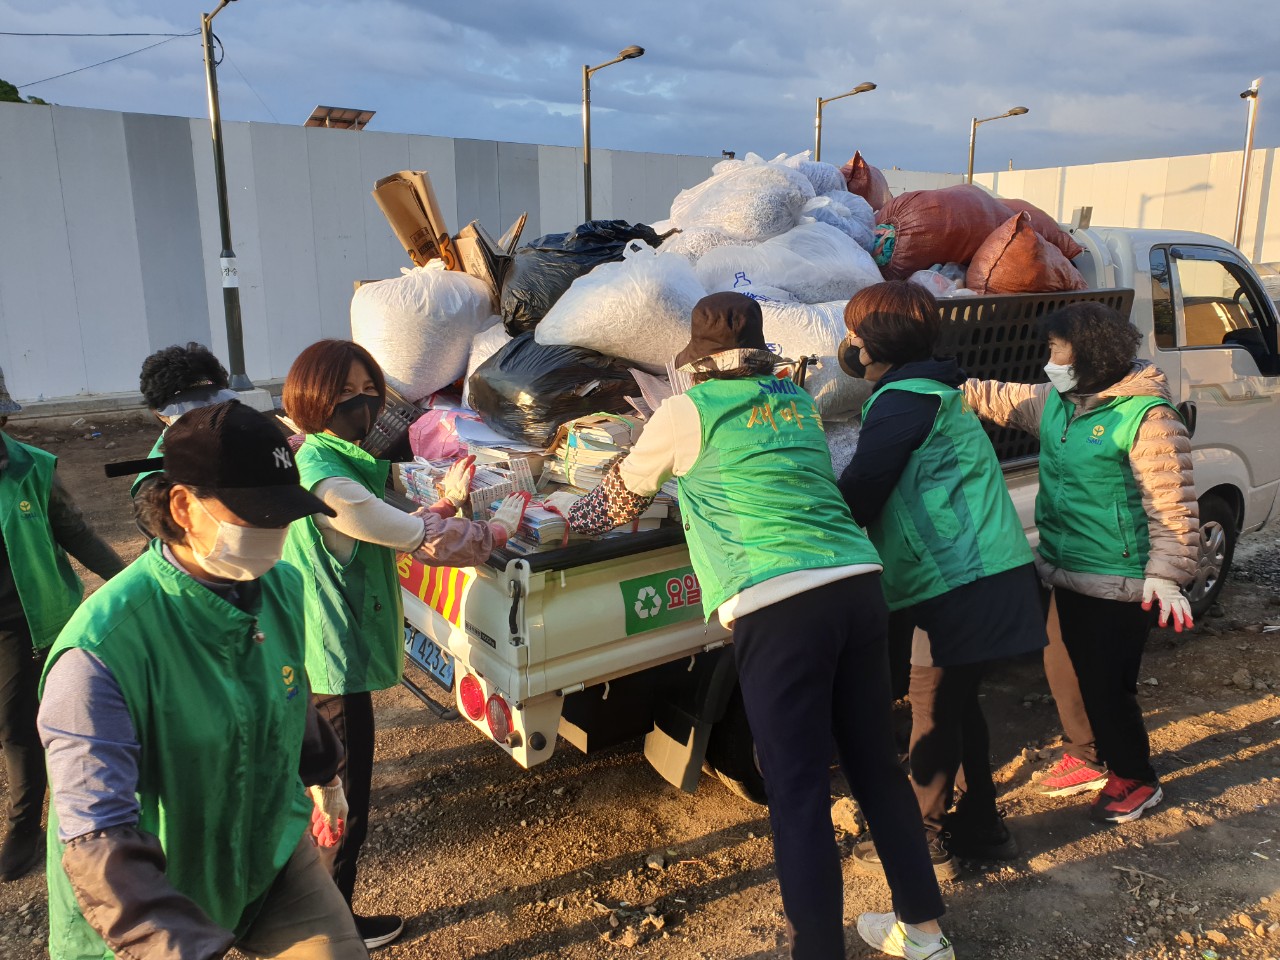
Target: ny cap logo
[282,458]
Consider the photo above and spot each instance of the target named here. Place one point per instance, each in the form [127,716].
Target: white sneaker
[888,934]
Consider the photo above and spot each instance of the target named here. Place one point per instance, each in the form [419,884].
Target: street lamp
[973,132]
[227,259]
[1252,96]
[630,53]
[817,119]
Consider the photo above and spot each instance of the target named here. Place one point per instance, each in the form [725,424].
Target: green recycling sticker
[661,599]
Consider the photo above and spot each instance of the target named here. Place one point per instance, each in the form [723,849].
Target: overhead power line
[19,33]
[23,86]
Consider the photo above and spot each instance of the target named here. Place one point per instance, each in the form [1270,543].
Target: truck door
[1224,335]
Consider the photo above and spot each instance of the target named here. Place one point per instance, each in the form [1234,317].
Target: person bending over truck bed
[927,485]
[1118,522]
[784,567]
[334,392]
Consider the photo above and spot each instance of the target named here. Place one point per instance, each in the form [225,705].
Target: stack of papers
[586,448]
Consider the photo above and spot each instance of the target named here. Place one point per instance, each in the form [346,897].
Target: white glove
[456,484]
[510,512]
[561,501]
[1172,602]
[331,804]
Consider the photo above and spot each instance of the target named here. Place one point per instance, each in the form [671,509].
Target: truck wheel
[731,753]
[1213,555]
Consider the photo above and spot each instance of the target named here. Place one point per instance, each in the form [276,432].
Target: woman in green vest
[1118,522]
[39,525]
[780,562]
[181,742]
[926,484]
[334,392]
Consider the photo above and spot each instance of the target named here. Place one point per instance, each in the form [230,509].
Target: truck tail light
[471,696]
[498,715]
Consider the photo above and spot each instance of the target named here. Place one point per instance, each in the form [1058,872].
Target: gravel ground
[591,856]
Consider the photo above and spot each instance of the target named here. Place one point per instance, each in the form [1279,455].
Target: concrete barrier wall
[109,236]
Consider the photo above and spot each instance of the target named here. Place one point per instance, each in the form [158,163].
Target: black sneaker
[380,930]
[945,866]
[22,852]
[973,838]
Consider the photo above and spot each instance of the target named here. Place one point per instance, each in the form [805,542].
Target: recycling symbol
[648,603]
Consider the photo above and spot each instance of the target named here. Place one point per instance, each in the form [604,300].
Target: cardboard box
[409,203]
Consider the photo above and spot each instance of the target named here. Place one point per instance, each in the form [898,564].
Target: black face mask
[850,358]
[353,419]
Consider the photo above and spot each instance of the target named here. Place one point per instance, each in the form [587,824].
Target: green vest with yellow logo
[1089,508]
[218,702]
[355,617]
[761,499]
[949,521]
[47,586]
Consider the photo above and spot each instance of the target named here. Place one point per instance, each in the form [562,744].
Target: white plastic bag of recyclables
[419,326]
[749,200]
[814,263]
[636,308]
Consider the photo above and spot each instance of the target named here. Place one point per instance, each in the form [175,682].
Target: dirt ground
[490,862]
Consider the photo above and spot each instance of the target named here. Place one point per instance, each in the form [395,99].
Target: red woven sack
[1016,259]
[866,181]
[1047,227]
[938,226]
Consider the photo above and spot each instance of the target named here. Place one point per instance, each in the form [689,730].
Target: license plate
[428,655]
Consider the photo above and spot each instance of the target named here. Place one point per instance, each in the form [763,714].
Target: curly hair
[1103,343]
[168,372]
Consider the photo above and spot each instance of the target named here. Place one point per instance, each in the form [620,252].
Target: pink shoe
[1123,800]
[1070,776]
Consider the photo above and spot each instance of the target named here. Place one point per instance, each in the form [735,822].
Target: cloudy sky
[1104,81]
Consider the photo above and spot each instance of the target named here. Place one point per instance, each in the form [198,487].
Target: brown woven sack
[1047,227]
[938,226]
[866,181]
[1016,259]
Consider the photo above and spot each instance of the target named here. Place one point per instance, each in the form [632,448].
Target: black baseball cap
[239,456]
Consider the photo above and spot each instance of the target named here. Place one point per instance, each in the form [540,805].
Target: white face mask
[241,553]
[1062,376]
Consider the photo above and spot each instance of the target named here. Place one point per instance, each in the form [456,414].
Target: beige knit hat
[7,403]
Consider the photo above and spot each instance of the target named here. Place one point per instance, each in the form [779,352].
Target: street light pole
[1252,96]
[973,133]
[227,258]
[817,117]
[630,53]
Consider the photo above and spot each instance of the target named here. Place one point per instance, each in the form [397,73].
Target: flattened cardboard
[409,203]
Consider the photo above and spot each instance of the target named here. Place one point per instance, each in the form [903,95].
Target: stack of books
[586,448]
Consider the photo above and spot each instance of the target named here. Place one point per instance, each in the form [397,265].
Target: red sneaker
[1070,776]
[1123,800]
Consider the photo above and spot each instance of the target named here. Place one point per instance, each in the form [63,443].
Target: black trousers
[814,672]
[947,730]
[1105,639]
[351,716]
[23,756]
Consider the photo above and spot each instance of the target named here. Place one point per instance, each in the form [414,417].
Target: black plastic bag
[542,271]
[527,389]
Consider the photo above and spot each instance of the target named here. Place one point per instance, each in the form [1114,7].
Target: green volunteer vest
[47,586]
[949,521]
[1089,509]
[354,614]
[218,702]
[761,501]
[157,450]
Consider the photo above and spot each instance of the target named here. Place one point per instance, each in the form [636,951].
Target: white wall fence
[109,226]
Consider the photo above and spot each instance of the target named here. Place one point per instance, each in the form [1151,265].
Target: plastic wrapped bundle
[526,390]
[747,199]
[486,343]
[825,177]
[542,271]
[419,326]
[804,329]
[838,396]
[847,212]
[814,263]
[637,309]
[842,441]
[694,243]
[933,281]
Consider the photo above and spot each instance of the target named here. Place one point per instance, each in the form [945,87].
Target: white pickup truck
[604,641]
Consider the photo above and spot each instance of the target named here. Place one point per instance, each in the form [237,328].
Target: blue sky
[1103,81]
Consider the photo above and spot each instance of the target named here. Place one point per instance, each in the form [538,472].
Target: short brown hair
[897,321]
[315,381]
